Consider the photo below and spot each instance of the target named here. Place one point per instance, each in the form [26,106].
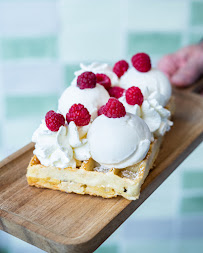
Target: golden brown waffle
[92,179]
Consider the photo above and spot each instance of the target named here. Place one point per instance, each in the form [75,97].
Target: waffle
[91,178]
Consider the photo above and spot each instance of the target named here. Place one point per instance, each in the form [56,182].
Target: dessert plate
[58,222]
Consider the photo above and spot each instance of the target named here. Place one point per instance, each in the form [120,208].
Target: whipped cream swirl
[61,149]
[118,142]
[153,113]
[97,68]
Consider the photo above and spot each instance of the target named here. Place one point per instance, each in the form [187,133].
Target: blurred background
[42,43]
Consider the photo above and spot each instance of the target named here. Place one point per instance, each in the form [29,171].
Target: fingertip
[167,65]
[179,82]
[165,69]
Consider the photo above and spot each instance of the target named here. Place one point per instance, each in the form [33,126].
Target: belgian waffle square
[90,178]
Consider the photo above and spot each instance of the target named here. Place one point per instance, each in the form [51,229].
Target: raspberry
[104,80]
[54,120]
[141,62]
[100,111]
[86,80]
[116,91]
[79,114]
[134,96]
[120,68]
[114,109]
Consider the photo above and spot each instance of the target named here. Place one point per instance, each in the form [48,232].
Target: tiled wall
[41,44]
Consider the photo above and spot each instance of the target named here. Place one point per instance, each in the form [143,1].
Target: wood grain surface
[58,222]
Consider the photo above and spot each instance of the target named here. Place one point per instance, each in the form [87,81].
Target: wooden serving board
[60,222]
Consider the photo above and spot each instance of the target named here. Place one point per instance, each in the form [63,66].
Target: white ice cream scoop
[92,99]
[119,142]
[153,80]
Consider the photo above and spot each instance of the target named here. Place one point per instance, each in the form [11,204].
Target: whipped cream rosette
[60,146]
[154,114]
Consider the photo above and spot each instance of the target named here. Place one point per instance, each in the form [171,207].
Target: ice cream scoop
[118,142]
[92,99]
[153,80]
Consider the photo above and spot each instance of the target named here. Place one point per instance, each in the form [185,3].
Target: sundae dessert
[106,133]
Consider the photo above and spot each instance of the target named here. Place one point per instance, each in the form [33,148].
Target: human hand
[185,66]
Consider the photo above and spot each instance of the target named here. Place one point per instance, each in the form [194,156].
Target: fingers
[168,65]
[183,67]
[188,73]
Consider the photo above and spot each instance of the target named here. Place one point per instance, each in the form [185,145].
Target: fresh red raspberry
[120,68]
[86,80]
[114,109]
[104,80]
[100,111]
[54,120]
[141,62]
[79,114]
[116,91]
[134,96]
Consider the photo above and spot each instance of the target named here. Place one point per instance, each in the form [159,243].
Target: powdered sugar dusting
[101,169]
[129,174]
